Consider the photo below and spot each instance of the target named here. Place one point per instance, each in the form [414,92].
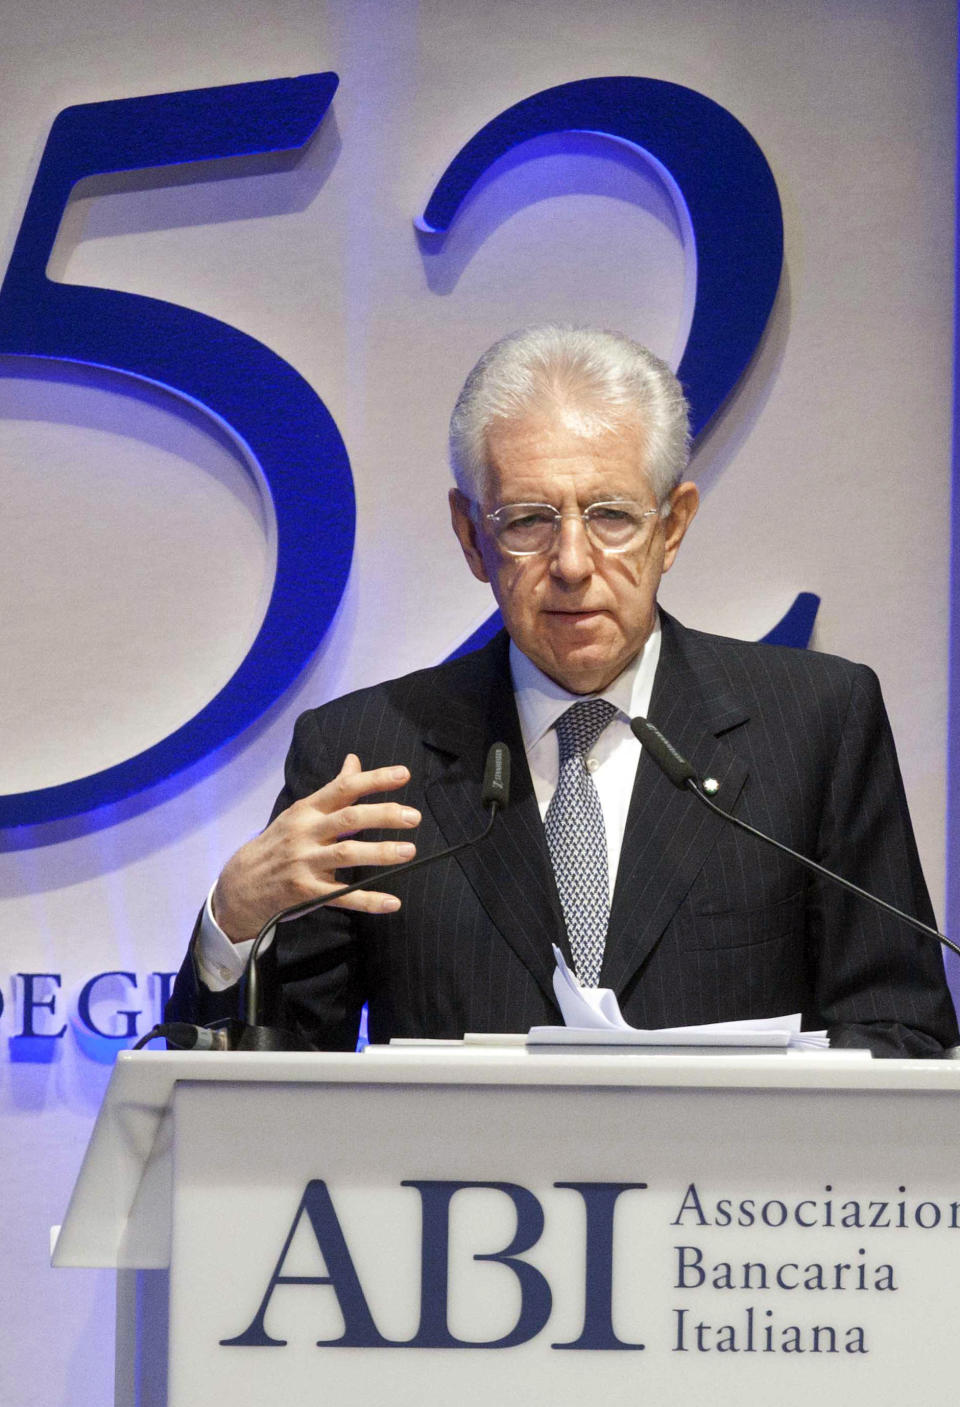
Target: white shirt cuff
[221,963]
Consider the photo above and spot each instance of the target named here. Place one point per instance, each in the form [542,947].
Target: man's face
[580,614]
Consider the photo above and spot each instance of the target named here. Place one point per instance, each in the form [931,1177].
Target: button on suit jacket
[706,924]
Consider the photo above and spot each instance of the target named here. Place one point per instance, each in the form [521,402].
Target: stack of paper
[592,1017]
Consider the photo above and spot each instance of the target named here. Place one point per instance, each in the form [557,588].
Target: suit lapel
[668,833]
[510,871]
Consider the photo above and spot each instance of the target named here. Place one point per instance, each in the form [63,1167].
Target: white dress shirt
[612,761]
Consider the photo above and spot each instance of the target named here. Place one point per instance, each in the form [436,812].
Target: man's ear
[684,502]
[466,531]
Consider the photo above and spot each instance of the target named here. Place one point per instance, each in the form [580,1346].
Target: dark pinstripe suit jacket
[705,923]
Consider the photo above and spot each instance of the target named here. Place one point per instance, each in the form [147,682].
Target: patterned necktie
[577,840]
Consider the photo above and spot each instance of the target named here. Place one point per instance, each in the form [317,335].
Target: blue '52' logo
[277,420]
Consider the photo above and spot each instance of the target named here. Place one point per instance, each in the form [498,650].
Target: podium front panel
[416,1244]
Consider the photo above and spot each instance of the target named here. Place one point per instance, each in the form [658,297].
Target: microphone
[495,794]
[675,768]
[496,778]
[679,771]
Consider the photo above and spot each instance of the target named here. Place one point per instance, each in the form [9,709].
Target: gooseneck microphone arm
[678,770]
[494,795]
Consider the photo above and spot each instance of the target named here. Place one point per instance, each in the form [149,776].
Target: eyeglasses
[527,529]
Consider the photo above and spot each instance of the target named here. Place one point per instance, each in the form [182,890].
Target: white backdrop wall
[136,551]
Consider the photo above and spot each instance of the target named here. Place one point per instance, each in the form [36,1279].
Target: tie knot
[580,727]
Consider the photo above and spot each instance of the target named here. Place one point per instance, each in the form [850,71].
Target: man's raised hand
[297,856]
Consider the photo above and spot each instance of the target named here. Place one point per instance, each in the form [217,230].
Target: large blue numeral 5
[279,423]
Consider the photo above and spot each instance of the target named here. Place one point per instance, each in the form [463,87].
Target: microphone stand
[678,770]
[253,1035]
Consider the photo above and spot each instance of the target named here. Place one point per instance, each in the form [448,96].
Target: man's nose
[572,557]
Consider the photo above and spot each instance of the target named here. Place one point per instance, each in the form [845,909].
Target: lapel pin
[711,786]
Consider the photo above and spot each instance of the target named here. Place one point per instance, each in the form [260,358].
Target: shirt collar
[541,701]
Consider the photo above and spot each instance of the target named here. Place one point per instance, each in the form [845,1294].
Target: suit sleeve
[313,967]
[878,983]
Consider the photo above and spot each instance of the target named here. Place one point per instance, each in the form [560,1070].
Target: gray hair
[605,377]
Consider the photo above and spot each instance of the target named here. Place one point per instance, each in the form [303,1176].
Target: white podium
[427,1226]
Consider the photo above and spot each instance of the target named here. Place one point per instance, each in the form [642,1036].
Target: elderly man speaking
[569,448]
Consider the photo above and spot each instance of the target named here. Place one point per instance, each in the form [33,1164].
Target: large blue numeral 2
[277,420]
[731,199]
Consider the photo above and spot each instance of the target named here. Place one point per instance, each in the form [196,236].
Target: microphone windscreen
[496,776]
[674,767]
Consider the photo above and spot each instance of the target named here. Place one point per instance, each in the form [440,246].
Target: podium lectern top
[119,1210]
